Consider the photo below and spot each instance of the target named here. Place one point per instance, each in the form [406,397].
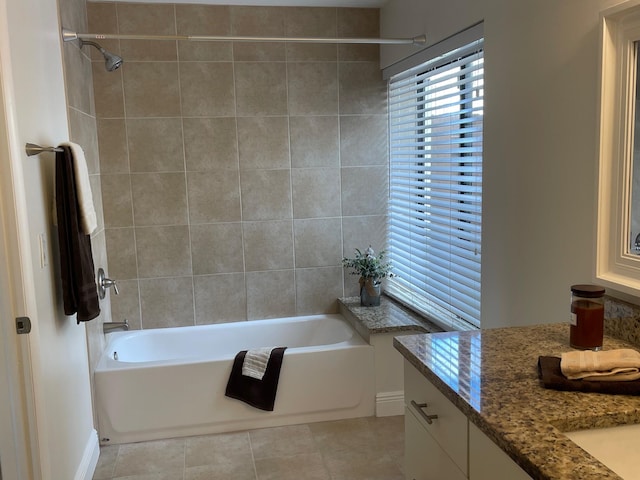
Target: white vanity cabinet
[441,443]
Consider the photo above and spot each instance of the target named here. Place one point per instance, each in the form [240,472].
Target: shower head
[111,61]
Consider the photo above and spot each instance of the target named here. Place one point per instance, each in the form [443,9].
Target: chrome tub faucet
[112,326]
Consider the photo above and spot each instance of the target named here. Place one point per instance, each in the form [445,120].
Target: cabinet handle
[419,406]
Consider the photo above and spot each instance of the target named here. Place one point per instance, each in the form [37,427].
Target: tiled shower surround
[235,176]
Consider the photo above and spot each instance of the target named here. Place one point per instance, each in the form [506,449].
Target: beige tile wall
[235,176]
[83,130]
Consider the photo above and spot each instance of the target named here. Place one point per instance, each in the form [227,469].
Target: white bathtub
[170,382]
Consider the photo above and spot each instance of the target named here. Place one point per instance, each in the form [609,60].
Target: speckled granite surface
[388,317]
[622,320]
[491,376]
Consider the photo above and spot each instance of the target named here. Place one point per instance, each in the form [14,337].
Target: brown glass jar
[587,317]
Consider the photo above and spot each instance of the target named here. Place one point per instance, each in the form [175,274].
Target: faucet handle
[108,283]
[104,283]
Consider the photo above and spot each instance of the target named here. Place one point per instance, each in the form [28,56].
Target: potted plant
[372,269]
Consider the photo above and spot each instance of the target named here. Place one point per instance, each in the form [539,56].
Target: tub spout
[111,326]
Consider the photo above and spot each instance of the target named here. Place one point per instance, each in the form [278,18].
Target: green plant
[368,265]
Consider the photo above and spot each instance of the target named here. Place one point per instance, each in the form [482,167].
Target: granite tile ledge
[389,317]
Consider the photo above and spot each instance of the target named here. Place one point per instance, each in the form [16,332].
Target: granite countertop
[389,317]
[491,376]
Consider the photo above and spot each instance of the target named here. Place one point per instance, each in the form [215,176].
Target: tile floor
[355,449]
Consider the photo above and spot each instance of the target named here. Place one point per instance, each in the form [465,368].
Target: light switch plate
[44,256]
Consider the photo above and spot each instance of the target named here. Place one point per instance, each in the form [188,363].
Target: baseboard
[89,460]
[389,404]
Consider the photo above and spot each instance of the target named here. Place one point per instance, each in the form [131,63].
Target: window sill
[389,317]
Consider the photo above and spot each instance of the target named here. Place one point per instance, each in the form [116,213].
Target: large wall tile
[220,298]
[77,66]
[190,51]
[108,91]
[102,18]
[313,88]
[151,89]
[117,201]
[266,195]
[362,90]
[217,248]
[261,88]
[136,18]
[364,190]
[214,196]
[314,141]
[126,305]
[210,143]
[121,249]
[259,52]
[358,22]
[311,22]
[112,146]
[362,232]
[270,294]
[263,142]
[163,251]
[316,192]
[363,140]
[167,302]
[268,245]
[155,144]
[257,21]
[149,50]
[203,20]
[96,194]
[83,131]
[159,199]
[318,242]
[207,89]
[317,290]
[141,19]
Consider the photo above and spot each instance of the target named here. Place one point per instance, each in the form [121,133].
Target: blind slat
[435,186]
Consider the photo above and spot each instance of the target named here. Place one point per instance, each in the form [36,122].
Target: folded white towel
[612,365]
[255,362]
[88,217]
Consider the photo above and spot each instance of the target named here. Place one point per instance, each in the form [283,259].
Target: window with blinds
[435,200]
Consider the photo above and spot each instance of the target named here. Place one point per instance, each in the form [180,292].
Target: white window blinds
[435,205]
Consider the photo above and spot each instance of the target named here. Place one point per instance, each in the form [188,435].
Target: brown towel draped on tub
[79,291]
[257,393]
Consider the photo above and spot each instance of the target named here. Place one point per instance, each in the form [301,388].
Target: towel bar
[33,149]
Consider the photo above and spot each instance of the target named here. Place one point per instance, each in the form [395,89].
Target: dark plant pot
[369,292]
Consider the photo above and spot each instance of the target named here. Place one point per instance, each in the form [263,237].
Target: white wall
[540,159]
[32,64]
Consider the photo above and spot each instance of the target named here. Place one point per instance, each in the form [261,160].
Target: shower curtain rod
[68,35]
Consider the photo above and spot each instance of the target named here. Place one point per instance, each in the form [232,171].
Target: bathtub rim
[107,363]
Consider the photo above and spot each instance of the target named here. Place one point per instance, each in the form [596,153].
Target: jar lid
[588,291]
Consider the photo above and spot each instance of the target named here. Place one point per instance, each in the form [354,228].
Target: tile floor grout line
[322,453]
[253,458]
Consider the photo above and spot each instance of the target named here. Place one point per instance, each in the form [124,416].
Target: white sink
[616,447]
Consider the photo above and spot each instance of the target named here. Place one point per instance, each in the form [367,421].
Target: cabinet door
[488,462]
[449,430]
[424,458]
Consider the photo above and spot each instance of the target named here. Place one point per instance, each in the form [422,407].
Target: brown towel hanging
[79,291]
